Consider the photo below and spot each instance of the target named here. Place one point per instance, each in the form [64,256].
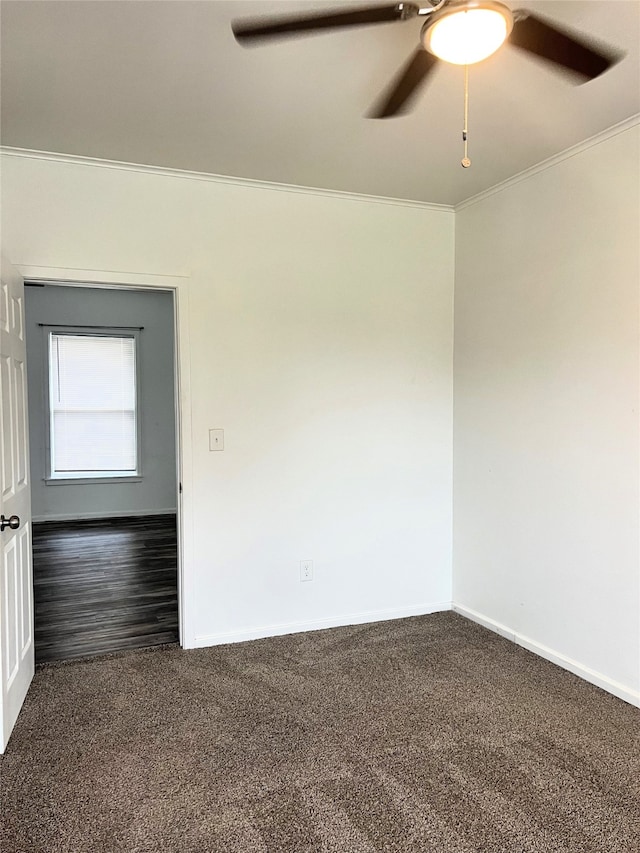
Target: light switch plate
[216,439]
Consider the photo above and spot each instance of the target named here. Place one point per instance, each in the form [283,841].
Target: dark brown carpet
[424,734]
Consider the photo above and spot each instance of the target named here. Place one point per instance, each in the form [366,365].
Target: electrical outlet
[306,570]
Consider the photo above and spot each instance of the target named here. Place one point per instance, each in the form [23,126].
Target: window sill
[93,481]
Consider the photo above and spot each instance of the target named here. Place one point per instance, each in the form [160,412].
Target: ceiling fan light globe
[469,33]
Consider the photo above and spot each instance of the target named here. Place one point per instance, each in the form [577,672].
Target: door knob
[13,523]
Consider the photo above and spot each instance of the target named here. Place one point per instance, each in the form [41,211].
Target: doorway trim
[178,285]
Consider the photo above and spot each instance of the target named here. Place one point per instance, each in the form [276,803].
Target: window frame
[53,478]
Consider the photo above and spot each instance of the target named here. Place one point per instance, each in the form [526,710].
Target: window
[93,423]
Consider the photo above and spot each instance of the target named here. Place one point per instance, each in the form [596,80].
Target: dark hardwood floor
[105,585]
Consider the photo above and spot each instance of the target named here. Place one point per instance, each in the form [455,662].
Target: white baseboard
[257,633]
[88,516]
[620,690]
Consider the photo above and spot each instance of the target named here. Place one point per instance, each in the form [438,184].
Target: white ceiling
[164,83]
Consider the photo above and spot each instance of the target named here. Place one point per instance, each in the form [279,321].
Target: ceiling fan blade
[263,28]
[545,40]
[407,83]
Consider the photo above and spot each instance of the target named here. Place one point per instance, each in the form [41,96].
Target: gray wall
[156,492]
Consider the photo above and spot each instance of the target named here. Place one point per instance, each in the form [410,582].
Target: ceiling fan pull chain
[465,160]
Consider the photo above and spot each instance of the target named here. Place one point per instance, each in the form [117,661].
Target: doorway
[106,539]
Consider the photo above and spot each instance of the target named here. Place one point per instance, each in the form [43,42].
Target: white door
[16,585]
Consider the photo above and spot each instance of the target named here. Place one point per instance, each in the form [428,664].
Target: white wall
[546,504]
[156,489]
[321,341]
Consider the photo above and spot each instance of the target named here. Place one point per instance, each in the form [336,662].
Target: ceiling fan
[459,31]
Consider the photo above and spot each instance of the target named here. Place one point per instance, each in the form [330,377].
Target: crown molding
[609,133]
[597,139]
[29,154]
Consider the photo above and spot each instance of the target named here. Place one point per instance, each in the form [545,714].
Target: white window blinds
[93,405]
